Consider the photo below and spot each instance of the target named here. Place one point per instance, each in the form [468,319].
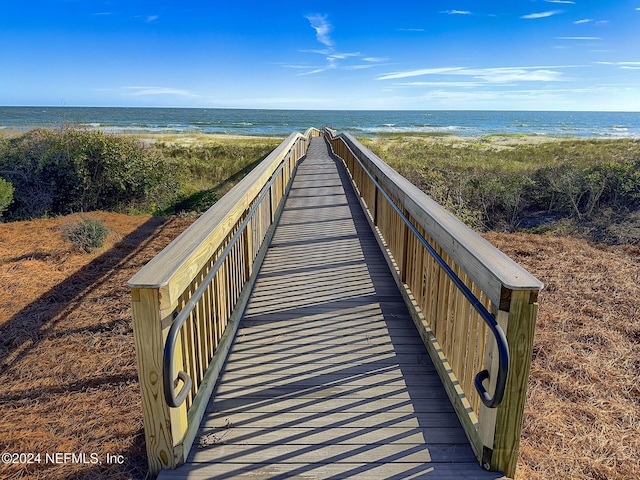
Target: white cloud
[411,30]
[317,70]
[584,20]
[335,59]
[342,56]
[417,73]
[362,66]
[507,75]
[457,12]
[441,84]
[326,51]
[322,27]
[486,75]
[152,18]
[560,1]
[301,67]
[541,14]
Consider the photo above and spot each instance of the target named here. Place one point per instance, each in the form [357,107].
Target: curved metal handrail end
[170,384]
[177,400]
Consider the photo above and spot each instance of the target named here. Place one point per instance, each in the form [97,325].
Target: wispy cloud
[322,27]
[457,12]
[486,75]
[622,65]
[420,72]
[142,90]
[411,30]
[342,56]
[561,1]
[533,16]
[441,84]
[333,58]
[100,14]
[152,18]
[584,20]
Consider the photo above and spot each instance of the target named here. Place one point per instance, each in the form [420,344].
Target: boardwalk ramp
[321,362]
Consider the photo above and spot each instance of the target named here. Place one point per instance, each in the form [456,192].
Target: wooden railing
[414,231]
[187,302]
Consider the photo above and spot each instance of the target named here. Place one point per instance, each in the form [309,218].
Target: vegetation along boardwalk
[327,376]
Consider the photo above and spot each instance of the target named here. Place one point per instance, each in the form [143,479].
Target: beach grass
[208,166]
[583,187]
[499,153]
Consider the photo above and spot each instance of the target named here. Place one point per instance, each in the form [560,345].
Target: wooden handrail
[194,262]
[453,333]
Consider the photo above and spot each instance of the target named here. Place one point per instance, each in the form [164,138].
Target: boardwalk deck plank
[327,376]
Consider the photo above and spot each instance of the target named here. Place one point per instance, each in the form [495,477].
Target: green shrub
[6,195]
[496,186]
[70,170]
[88,235]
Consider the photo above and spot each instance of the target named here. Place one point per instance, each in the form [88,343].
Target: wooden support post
[522,319]
[163,426]
[500,428]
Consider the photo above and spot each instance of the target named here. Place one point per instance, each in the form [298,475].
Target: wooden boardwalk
[327,376]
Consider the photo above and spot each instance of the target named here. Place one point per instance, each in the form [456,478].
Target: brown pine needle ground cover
[582,416]
[67,355]
[67,359]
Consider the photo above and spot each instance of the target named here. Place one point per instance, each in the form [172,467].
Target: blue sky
[453,54]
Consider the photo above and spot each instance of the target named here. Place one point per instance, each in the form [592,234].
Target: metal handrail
[171,384]
[489,319]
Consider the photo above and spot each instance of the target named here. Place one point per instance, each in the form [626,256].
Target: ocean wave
[409,128]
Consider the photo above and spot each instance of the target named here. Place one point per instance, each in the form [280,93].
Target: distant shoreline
[196,137]
[360,123]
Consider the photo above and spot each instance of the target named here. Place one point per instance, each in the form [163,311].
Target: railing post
[500,428]
[163,426]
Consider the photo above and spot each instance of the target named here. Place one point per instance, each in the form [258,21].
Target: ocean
[280,123]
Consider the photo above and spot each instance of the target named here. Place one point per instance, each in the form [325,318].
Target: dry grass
[582,417]
[67,357]
[69,378]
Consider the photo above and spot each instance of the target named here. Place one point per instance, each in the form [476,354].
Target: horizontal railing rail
[460,289]
[187,301]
